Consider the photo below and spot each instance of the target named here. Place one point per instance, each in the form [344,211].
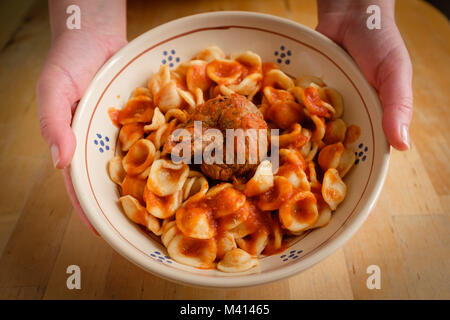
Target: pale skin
[76,55]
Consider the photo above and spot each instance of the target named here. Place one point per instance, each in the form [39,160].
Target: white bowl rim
[327,248]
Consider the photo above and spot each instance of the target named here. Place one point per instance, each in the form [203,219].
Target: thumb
[394,86]
[55,95]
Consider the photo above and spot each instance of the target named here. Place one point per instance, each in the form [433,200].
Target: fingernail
[55,154]
[405,135]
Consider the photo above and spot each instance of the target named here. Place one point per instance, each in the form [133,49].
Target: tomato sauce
[276,196]
[152,200]
[196,77]
[294,140]
[267,66]
[191,247]
[226,202]
[295,158]
[113,114]
[313,103]
[352,135]
[288,168]
[134,187]
[277,95]
[137,109]
[228,71]
[231,213]
[330,155]
[130,133]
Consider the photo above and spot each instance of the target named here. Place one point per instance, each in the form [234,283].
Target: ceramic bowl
[298,50]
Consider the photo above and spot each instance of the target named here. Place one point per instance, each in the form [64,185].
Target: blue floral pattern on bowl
[283,55]
[361,153]
[293,254]
[158,256]
[170,58]
[102,142]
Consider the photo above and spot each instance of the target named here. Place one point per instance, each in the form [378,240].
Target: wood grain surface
[407,235]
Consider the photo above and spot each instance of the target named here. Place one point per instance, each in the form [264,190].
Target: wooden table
[407,235]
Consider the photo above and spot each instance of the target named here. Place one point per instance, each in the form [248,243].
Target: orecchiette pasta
[193,252]
[224,71]
[138,109]
[116,171]
[352,134]
[195,220]
[237,260]
[235,220]
[346,163]
[210,54]
[137,213]
[250,60]
[195,186]
[330,156]
[129,134]
[225,216]
[225,243]
[278,79]
[166,178]
[196,77]
[333,188]
[177,114]
[247,87]
[158,120]
[282,108]
[314,104]
[312,174]
[335,131]
[162,207]
[294,157]
[133,186]
[225,201]
[166,87]
[159,136]
[295,175]
[277,195]
[320,129]
[168,97]
[262,180]
[276,239]
[336,101]
[168,232]
[304,81]
[300,212]
[139,157]
[324,215]
[294,139]
[254,243]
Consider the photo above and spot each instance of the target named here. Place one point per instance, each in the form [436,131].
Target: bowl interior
[298,50]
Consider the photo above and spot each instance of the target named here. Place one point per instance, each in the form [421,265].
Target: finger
[74,199]
[56,95]
[396,96]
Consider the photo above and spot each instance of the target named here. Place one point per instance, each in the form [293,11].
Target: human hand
[73,59]
[382,56]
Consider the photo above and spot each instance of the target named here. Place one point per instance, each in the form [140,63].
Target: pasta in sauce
[248,211]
